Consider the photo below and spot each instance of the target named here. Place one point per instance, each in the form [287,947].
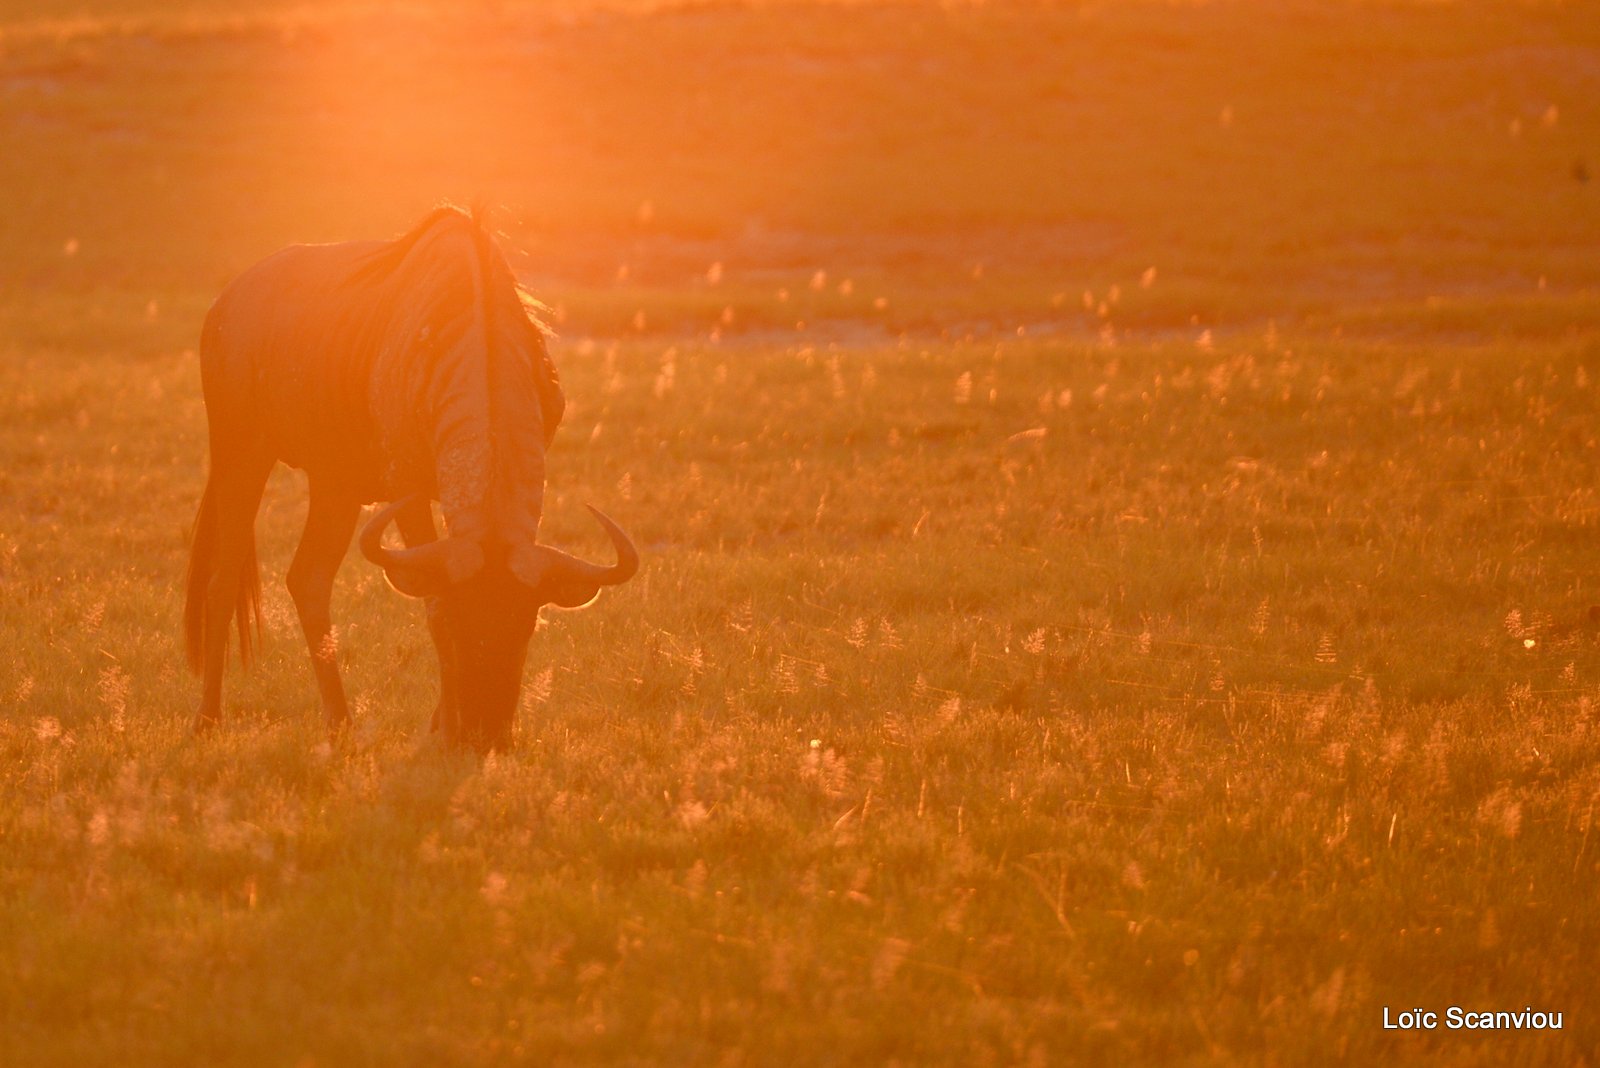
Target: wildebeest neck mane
[461,383]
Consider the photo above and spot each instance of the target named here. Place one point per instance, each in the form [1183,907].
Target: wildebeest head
[483,604]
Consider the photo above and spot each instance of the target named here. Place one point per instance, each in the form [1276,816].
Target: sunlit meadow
[1118,489]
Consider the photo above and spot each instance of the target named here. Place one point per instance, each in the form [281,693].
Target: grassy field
[1118,487]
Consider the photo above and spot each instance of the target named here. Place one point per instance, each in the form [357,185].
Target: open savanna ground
[1118,489]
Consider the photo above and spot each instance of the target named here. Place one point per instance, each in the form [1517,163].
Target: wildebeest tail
[202,567]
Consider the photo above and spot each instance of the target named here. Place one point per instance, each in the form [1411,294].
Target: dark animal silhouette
[401,371]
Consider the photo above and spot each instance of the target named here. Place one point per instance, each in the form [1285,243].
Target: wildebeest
[403,371]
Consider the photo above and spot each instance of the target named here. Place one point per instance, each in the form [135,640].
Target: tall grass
[1028,700]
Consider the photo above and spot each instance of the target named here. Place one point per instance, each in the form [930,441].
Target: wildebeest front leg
[330,521]
[416,528]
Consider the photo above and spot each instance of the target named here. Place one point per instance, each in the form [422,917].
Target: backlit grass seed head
[537,691]
[114,694]
[667,377]
[887,638]
[1032,439]
[1436,759]
[1326,999]
[493,890]
[1394,749]
[694,880]
[891,955]
[962,393]
[277,612]
[692,814]
[857,636]
[1501,813]
[98,832]
[1133,876]
[784,677]
[825,771]
[1409,382]
[1315,716]
[1325,650]
[1488,931]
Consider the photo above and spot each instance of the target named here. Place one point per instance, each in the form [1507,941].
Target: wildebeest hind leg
[235,487]
[329,523]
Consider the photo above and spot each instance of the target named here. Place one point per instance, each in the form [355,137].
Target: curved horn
[627,564]
[420,570]
[568,582]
